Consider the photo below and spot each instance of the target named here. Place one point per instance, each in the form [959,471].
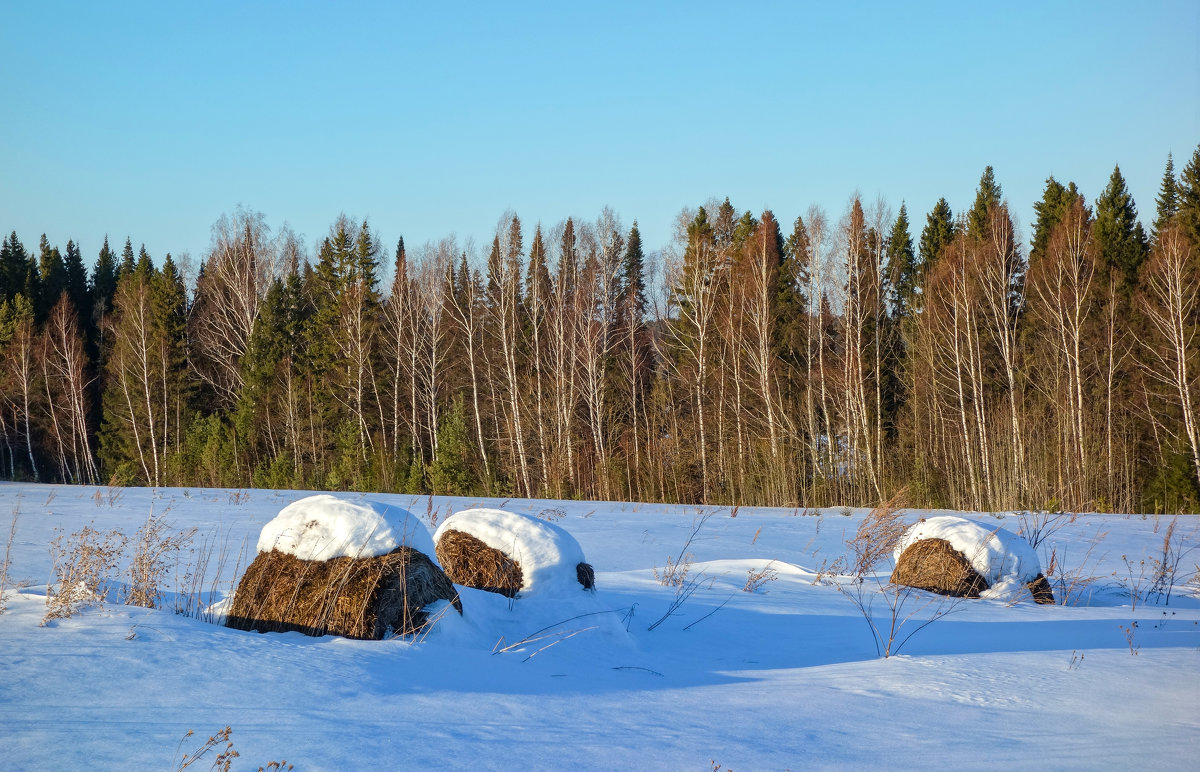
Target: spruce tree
[1189,199]
[1167,203]
[52,275]
[988,195]
[13,265]
[905,270]
[1056,202]
[1120,242]
[77,283]
[127,262]
[937,234]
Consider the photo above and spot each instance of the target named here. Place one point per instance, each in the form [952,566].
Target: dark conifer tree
[13,266]
[1189,199]
[77,282]
[127,260]
[1120,241]
[52,276]
[905,270]
[1056,201]
[937,234]
[1167,203]
[987,196]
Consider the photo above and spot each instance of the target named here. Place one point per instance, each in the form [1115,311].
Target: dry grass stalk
[878,534]
[12,535]
[84,565]
[224,760]
[154,543]
[364,598]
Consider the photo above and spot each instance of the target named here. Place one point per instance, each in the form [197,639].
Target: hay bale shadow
[934,565]
[365,598]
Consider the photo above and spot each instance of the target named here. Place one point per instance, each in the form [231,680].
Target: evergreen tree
[13,266]
[1056,202]
[452,472]
[905,270]
[1167,203]
[1120,241]
[987,196]
[52,275]
[77,282]
[126,265]
[938,233]
[1189,199]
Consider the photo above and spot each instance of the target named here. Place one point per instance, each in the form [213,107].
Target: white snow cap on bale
[324,527]
[546,553]
[1001,557]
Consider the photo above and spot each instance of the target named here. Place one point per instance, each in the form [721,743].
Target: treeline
[806,364]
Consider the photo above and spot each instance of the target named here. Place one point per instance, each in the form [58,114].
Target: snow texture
[324,527]
[546,553]
[1001,557]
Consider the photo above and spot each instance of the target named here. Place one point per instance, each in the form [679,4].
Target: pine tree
[937,234]
[1120,241]
[1167,203]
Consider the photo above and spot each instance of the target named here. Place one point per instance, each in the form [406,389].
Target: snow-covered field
[783,677]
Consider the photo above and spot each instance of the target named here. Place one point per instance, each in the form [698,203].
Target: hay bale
[934,565]
[471,563]
[1040,589]
[352,597]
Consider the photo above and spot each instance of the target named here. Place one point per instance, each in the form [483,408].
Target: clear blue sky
[151,120]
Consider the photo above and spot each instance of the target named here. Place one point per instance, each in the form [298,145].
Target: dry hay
[470,562]
[352,597]
[1039,588]
[934,565]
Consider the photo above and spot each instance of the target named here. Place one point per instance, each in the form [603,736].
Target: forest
[829,360]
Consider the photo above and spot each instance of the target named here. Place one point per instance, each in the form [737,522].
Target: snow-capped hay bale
[353,597]
[323,527]
[934,565]
[1006,562]
[495,550]
[471,563]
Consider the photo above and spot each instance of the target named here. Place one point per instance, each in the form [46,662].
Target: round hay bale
[512,553]
[471,563]
[934,565]
[1041,591]
[365,598]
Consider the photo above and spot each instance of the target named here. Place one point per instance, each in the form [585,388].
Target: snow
[1004,559]
[782,678]
[546,553]
[324,527]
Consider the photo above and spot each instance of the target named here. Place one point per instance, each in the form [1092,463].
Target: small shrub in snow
[756,579]
[4,580]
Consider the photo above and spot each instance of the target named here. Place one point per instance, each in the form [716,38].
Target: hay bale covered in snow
[934,565]
[326,566]
[955,556]
[510,553]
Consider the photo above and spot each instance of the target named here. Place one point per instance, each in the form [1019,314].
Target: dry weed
[674,573]
[757,579]
[878,534]
[12,535]
[84,565]
[154,543]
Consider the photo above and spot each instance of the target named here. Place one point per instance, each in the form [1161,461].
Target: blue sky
[151,120]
